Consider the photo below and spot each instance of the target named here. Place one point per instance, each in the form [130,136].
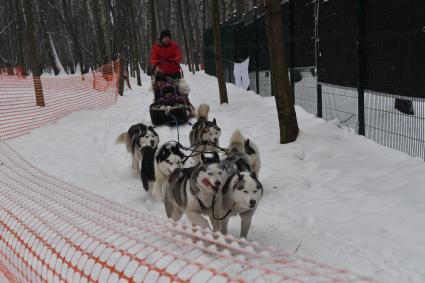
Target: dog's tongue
[206,182]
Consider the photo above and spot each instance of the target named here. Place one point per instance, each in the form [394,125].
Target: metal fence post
[361,66]
[291,47]
[319,101]
[316,57]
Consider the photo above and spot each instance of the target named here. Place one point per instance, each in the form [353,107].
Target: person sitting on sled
[165,58]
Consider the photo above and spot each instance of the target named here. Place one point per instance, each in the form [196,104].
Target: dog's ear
[150,128]
[253,175]
[214,122]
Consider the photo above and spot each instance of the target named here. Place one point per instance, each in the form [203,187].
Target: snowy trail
[350,202]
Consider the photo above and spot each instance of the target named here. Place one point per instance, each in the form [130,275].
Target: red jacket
[167,58]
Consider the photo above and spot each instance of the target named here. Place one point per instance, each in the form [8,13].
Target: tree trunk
[78,53]
[134,44]
[35,60]
[190,31]
[95,13]
[183,29]
[284,101]
[104,23]
[153,22]
[20,23]
[48,42]
[224,10]
[173,17]
[219,69]
[122,41]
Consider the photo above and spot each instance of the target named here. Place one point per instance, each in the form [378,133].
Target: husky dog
[204,131]
[244,149]
[169,157]
[139,136]
[196,191]
[242,191]
[253,154]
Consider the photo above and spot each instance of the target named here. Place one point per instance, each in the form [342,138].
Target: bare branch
[6,27]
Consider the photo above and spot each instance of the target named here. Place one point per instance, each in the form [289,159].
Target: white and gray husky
[242,191]
[196,191]
[138,137]
[204,131]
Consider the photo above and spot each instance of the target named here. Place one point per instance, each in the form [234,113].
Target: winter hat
[165,33]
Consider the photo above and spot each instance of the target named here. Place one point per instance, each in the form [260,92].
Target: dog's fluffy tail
[183,87]
[122,138]
[237,142]
[203,110]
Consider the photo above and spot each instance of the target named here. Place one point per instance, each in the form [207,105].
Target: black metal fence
[361,62]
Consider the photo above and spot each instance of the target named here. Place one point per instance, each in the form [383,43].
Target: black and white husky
[204,131]
[157,167]
[196,191]
[242,191]
[253,154]
[138,137]
[239,146]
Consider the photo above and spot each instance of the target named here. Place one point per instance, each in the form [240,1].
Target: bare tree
[48,42]
[35,60]
[85,32]
[219,69]
[173,16]
[122,41]
[20,24]
[153,21]
[284,101]
[134,43]
[185,36]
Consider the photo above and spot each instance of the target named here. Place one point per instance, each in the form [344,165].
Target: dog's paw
[135,172]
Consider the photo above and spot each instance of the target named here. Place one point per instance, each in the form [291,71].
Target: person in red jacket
[166,56]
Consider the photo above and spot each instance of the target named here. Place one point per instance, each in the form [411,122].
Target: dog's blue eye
[210,174]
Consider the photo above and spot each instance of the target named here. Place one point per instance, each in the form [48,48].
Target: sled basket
[162,114]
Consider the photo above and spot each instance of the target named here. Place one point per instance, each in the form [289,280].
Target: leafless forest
[87,33]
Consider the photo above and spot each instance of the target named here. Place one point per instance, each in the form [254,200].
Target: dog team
[214,186]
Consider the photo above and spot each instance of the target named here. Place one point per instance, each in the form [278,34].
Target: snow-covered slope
[350,202]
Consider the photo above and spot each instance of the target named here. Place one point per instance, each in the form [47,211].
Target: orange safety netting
[51,231]
[19,113]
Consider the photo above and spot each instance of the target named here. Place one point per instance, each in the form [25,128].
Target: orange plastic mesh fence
[19,113]
[51,231]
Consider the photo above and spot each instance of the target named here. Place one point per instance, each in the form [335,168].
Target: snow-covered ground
[350,202]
